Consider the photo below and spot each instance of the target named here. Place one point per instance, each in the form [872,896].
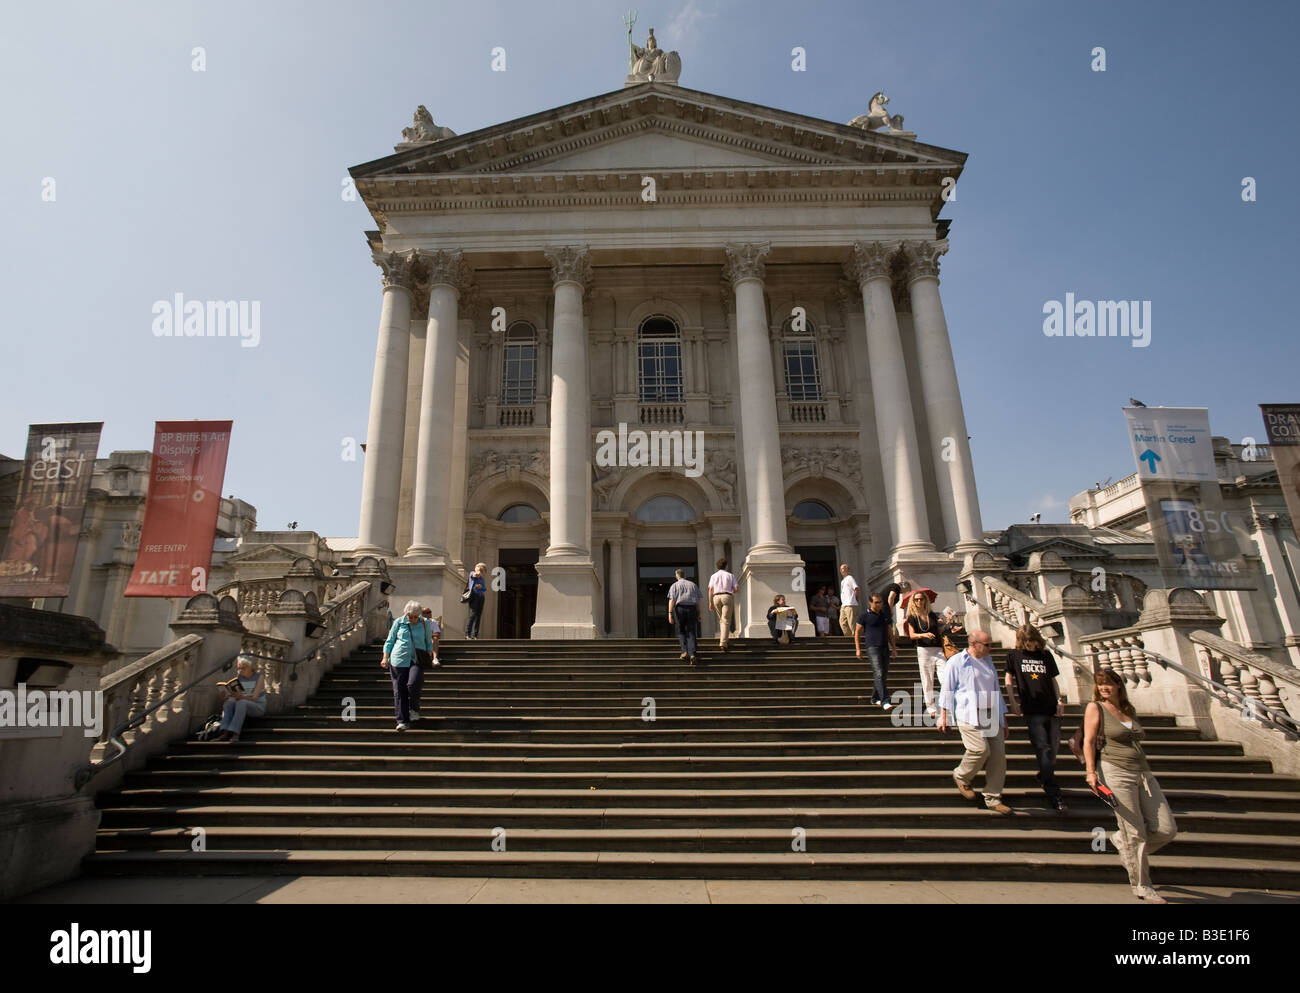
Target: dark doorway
[820,569]
[655,568]
[517,603]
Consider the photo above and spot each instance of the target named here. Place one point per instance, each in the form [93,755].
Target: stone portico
[664,260]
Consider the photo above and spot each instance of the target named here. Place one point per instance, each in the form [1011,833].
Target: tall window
[803,380]
[659,361]
[520,373]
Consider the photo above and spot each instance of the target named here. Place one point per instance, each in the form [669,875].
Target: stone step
[151,793]
[817,839]
[1085,814]
[433,731]
[385,742]
[1009,866]
[1018,762]
[885,779]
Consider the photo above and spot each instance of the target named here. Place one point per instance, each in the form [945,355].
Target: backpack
[210,729]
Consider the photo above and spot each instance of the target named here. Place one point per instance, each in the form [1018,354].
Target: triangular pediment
[263,553]
[659,126]
[657,148]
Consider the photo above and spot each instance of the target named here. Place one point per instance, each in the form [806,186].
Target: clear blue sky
[225,184]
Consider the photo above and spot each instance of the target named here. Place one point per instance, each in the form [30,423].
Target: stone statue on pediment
[877,116]
[645,65]
[423,129]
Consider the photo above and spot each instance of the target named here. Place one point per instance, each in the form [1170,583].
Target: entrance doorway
[655,568]
[820,569]
[517,603]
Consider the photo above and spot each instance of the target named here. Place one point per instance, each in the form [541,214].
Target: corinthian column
[567,586]
[385,428]
[895,429]
[448,275]
[953,469]
[770,567]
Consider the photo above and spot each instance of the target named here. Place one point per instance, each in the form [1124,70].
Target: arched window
[812,510]
[659,360]
[803,380]
[665,509]
[518,513]
[519,379]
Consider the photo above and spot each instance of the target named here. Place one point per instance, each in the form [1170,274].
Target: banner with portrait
[41,548]
[180,512]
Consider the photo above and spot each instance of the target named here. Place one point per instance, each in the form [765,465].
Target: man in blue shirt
[684,611]
[973,700]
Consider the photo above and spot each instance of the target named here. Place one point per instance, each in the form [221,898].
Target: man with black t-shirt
[874,631]
[1031,684]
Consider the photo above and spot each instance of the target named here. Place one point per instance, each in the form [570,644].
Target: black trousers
[1045,735]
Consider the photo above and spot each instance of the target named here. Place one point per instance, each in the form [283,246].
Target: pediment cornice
[779,155]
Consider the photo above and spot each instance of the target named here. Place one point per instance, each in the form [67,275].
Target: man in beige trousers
[722,601]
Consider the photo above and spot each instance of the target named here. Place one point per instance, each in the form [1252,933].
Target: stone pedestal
[437,584]
[761,578]
[567,589]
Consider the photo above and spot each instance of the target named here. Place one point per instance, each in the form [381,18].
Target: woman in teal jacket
[407,634]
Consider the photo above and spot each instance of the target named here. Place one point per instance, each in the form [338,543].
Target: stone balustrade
[1259,687]
[663,413]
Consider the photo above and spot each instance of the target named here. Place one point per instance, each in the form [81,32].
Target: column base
[436,584]
[567,592]
[937,570]
[388,554]
[914,550]
[763,576]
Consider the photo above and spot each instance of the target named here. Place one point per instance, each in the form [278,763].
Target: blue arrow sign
[1150,458]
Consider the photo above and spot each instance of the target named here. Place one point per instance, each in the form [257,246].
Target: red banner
[180,512]
[42,544]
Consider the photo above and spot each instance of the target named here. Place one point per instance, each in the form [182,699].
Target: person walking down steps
[407,635]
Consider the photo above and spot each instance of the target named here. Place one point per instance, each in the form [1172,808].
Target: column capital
[921,259]
[570,264]
[448,268]
[402,269]
[745,261]
[871,260]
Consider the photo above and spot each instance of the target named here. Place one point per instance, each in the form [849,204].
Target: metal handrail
[1282,722]
[88,772]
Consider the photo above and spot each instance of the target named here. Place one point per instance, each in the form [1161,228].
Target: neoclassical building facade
[694,267]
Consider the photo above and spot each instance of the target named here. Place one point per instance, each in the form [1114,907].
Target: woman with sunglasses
[1146,824]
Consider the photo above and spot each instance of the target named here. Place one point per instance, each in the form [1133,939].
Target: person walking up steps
[684,611]
[722,590]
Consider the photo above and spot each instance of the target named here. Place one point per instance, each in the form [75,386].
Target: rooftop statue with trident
[651,63]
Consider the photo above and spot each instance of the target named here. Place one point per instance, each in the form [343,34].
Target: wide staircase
[537,759]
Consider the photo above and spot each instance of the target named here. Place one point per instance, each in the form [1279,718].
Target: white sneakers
[415,715]
[403,727]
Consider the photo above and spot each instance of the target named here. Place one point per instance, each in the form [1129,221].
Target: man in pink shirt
[722,588]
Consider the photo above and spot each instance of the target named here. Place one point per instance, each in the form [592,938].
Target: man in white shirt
[722,601]
[972,698]
[848,601]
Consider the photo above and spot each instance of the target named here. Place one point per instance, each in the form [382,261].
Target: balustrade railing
[807,412]
[1262,685]
[663,413]
[515,417]
[148,696]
